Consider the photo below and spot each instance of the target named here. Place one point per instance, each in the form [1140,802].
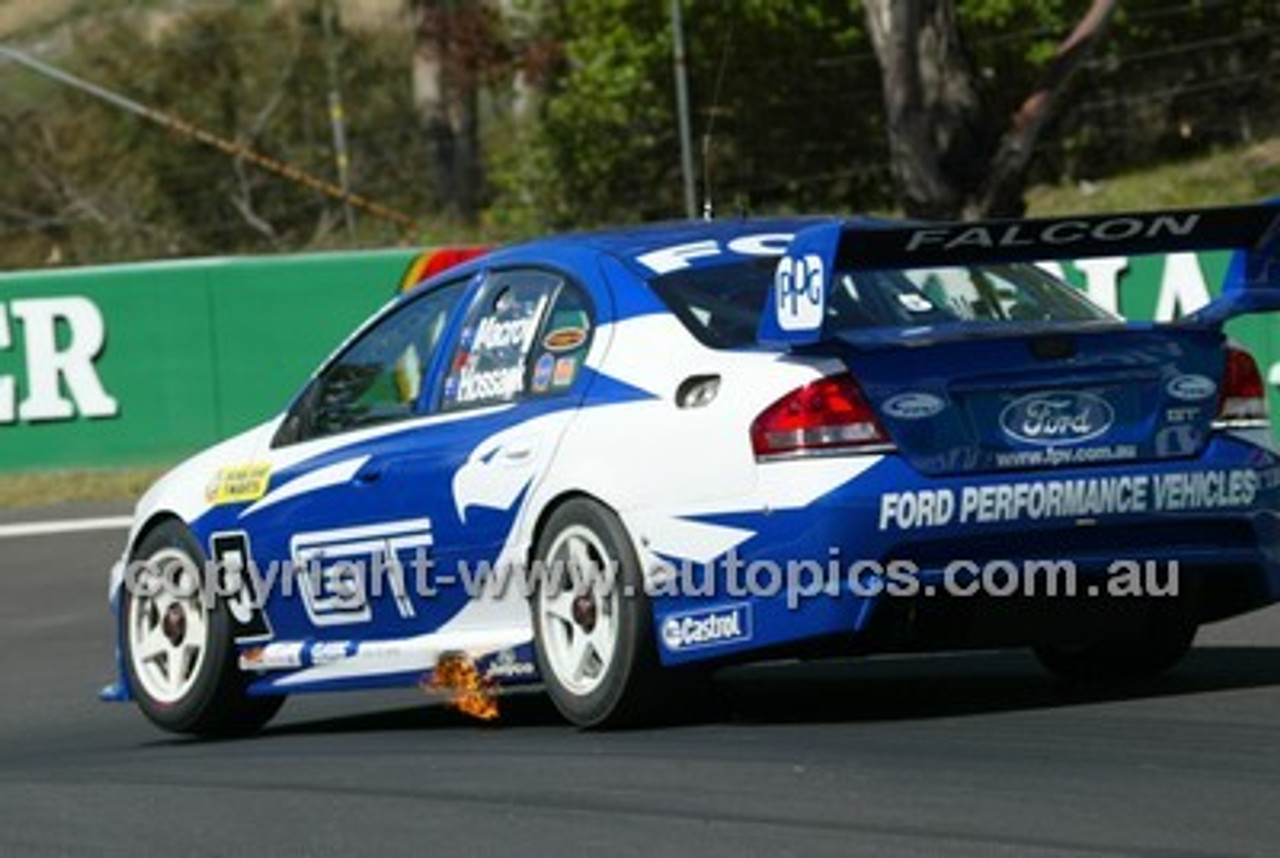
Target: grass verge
[1230,176]
[40,488]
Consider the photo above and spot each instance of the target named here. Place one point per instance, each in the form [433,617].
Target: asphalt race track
[961,755]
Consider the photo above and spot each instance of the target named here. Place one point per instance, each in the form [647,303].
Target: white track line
[71,525]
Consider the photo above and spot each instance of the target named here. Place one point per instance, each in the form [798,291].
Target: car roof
[630,242]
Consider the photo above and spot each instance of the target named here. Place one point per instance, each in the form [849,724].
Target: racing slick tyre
[178,646]
[1116,660]
[592,622]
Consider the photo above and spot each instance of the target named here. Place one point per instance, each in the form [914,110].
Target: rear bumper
[1212,523]
[1205,591]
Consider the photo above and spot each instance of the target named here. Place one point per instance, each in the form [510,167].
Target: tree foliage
[88,181]
[772,133]
[513,117]
[458,52]
[952,153]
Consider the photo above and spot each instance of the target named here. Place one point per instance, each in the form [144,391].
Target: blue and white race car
[607,462]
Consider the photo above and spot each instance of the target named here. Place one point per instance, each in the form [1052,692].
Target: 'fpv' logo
[799,286]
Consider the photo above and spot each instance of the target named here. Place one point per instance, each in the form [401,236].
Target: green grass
[22,17]
[1230,176]
[40,488]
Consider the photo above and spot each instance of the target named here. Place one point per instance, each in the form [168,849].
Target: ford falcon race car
[607,462]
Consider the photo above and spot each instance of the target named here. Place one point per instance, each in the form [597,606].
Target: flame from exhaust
[470,693]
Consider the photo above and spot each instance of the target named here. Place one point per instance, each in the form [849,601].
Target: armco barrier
[135,364]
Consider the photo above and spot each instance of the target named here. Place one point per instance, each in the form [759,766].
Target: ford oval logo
[1191,388]
[913,406]
[1064,417]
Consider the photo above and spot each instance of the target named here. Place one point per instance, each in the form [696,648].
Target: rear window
[721,305]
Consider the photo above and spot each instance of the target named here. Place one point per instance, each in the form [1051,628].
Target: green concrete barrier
[1165,288]
[143,364]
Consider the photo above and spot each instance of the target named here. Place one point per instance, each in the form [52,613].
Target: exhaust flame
[470,693]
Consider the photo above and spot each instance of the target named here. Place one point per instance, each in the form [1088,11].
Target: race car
[611,462]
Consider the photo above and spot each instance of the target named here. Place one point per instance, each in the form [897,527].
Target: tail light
[828,417]
[1242,403]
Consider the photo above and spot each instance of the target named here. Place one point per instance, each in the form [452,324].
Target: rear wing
[796,313]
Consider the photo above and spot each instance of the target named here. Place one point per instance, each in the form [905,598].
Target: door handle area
[369,474]
[517,454]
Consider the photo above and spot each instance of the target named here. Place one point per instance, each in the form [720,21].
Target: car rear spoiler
[796,312]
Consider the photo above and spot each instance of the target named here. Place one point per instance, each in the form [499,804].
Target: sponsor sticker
[328,652]
[799,287]
[496,334]
[238,483]
[566,369]
[1185,414]
[1066,455]
[913,406]
[506,665]
[1074,498]
[1191,388]
[474,385]
[335,566]
[542,373]
[274,656]
[708,627]
[915,303]
[564,339]
[1061,233]
[681,256]
[1057,417]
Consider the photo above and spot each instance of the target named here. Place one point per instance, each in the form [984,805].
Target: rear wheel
[178,645]
[592,623]
[1113,660]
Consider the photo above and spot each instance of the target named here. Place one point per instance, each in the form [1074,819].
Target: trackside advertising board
[144,364]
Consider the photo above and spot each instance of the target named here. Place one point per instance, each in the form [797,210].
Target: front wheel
[178,645]
[1164,645]
[592,624]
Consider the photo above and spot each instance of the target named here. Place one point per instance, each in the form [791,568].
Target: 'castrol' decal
[706,628]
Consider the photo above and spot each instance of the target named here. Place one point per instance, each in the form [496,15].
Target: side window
[561,346]
[379,377]
[502,352]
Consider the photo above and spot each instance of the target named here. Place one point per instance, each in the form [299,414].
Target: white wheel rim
[579,572]
[168,626]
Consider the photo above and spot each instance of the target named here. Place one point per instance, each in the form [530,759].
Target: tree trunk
[948,156]
[446,73]
[936,117]
[1002,194]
